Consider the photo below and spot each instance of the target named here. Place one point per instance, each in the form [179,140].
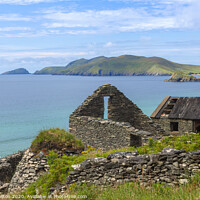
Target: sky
[40,33]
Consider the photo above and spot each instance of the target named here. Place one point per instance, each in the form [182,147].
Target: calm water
[31,103]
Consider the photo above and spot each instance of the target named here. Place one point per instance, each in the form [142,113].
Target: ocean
[31,103]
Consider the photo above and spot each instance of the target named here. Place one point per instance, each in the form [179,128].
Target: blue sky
[40,33]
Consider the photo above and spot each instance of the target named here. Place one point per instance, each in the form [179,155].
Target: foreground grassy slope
[135,191]
[61,166]
[122,65]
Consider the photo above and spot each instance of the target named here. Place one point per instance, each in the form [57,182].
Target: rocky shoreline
[180,76]
[110,74]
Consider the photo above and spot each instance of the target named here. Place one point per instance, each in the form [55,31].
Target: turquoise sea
[30,103]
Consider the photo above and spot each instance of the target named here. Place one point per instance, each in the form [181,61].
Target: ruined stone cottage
[126,124]
[178,115]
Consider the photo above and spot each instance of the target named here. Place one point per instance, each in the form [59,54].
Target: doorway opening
[135,141]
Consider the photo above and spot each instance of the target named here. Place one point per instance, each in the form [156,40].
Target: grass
[135,191]
[61,166]
[56,139]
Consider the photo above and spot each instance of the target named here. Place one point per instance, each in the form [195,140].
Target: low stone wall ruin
[170,166]
[121,129]
[107,134]
[29,169]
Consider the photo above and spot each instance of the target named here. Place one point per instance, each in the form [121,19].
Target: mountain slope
[49,70]
[122,65]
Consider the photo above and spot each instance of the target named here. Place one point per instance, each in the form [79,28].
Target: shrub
[56,139]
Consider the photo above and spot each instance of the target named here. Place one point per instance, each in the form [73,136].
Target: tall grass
[134,191]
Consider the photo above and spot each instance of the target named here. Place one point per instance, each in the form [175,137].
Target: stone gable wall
[170,166]
[120,109]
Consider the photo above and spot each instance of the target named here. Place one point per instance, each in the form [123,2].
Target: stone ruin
[126,125]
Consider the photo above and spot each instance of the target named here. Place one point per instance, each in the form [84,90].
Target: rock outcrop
[8,166]
[180,76]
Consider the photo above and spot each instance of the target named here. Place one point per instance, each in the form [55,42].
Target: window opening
[174,126]
[106,107]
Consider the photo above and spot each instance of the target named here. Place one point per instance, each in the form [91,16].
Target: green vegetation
[56,139]
[134,191]
[49,70]
[61,166]
[188,142]
[16,71]
[180,76]
[122,65]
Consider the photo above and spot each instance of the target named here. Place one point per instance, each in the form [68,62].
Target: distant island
[125,65]
[16,71]
[180,76]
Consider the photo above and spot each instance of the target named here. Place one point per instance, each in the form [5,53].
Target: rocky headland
[180,76]
[16,71]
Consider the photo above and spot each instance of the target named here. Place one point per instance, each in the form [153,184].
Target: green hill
[126,65]
[16,71]
[49,70]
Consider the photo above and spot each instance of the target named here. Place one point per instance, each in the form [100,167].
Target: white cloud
[109,44]
[26,2]
[157,1]
[7,29]
[127,19]
[132,19]
[110,20]
[40,54]
[14,17]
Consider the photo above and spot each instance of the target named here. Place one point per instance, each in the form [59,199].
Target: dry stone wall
[104,134]
[107,134]
[8,166]
[29,169]
[170,166]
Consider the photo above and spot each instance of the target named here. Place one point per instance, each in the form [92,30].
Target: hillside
[126,65]
[180,76]
[49,70]
[16,71]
